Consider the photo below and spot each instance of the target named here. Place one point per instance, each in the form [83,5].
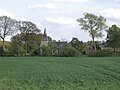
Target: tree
[17,39]
[93,24]
[16,49]
[8,27]
[27,28]
[113,37]
[69,51]
[33,42]
[78,45]
[17,45]
[46,50]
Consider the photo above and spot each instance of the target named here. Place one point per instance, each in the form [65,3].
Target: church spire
[45,37]
[45,34]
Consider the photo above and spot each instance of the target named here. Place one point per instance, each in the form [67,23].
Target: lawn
[59,73]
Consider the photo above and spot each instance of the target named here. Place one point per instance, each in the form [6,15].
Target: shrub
[102,53]
[2,50]
[43,51]
[16,50]
[69,51]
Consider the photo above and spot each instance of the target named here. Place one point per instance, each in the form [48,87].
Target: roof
[61,44]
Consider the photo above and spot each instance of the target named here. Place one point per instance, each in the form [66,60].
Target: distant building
[44,41]
[58,46]
[61,44]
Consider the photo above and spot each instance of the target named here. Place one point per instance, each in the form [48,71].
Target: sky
[59,16]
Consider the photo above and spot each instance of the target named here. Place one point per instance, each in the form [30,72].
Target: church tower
[44,41]
[45,38]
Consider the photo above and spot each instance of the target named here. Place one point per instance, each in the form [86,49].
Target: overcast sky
[59,16]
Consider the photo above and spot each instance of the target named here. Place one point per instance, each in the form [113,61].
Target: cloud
[61,20]
[117,1]
[63,28]
[48,6]
[6,13]
[9,14]
[73,1]
[111,13]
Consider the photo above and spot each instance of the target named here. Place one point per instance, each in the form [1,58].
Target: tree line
[26,38]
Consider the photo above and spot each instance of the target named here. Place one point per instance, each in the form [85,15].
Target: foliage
[2,50]
[69,51]
[113,37]
[17,45]
[16,50]
[28,32]
[8,27]
[93,24]
[46,50]
[26,27]
[32,43]
[78,45]
[6,43]
[31,46]
[59,73]
[102,53]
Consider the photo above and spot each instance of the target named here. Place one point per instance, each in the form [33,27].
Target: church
[58,45]
[44,41]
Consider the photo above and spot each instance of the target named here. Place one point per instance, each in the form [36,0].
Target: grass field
[59,73]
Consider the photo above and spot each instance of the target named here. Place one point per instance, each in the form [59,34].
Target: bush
[69,51]
[2,50]
[102,53]
[43,51]
[16,50]
[36,52]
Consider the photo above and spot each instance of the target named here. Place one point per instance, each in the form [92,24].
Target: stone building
[44,41]
[58,46]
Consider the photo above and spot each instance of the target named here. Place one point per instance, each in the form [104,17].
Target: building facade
[44,41]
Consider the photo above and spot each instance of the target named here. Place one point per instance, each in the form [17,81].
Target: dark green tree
[93,24]
[113,37]
[32,44]
[78,45]
[17,46]
[28,30]
[46,50]
[69,51]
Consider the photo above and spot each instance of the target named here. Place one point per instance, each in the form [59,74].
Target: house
[60,46]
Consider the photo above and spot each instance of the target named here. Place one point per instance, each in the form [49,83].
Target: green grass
[59,73]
